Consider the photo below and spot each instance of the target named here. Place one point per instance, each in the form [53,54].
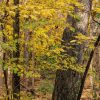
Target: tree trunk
[66,85]
[16,54]
[28,56]
[67,82]
[5,72]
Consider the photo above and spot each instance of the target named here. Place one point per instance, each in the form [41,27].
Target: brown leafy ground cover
[43,91]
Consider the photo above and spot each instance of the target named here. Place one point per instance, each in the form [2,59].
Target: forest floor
[91,91]
[44,91]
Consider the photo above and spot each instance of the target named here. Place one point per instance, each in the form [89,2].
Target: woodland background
[49,49]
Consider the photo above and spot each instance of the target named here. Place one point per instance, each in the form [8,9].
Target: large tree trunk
[66,85]
[67,82]
[16,54]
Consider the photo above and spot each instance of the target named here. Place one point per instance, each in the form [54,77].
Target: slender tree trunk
[16,54]
[26,55]
[5,72]
[96,66]
[87,68]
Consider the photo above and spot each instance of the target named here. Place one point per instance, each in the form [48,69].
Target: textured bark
[67,82]
[16,54]
[66,85]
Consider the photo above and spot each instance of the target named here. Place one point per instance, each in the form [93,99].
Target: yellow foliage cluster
[45,20]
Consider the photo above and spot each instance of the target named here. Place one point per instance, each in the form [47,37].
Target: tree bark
[66,85]
[67,82]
